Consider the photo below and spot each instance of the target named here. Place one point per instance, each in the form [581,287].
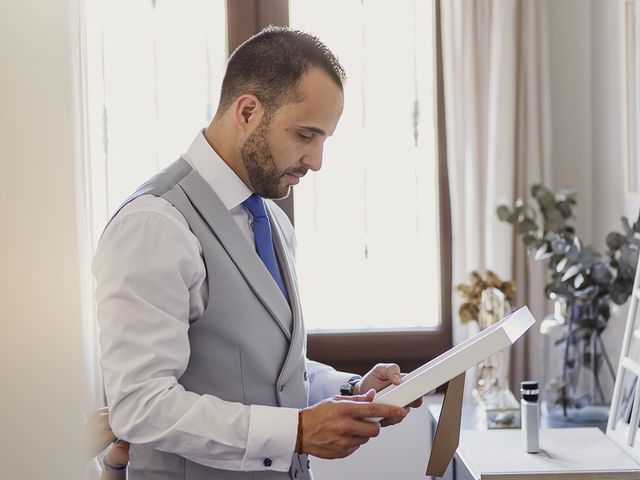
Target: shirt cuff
[272,438]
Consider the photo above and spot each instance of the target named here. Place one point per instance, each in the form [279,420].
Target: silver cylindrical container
[530,414]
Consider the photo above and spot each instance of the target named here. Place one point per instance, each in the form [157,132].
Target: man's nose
[313,160]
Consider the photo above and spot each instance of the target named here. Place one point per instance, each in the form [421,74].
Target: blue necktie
[264,241]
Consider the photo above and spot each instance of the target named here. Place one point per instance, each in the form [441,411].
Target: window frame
[358,351]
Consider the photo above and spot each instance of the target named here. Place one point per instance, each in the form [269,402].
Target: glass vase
[574,361]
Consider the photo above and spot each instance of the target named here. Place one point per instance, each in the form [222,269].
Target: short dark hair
[270,65]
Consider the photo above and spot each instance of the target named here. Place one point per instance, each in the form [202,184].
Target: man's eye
[305,138]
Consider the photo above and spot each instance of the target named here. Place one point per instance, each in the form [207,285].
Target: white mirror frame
[620,431]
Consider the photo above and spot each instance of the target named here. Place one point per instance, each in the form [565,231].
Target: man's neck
[223,143]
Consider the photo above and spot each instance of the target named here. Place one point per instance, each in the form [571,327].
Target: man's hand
[335,428]
[118,454]
[381,376]
[98,434]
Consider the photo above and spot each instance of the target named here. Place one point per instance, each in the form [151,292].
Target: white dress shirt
[145,347]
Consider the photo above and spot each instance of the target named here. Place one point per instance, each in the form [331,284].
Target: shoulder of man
[153,204]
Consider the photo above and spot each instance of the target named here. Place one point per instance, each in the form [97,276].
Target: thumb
[367,397]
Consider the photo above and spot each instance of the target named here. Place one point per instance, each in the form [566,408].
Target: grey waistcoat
[249,344]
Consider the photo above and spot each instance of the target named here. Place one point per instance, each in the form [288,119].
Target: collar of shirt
[220,177]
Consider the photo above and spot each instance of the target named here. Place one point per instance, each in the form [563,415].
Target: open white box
[450,368]
[457,360]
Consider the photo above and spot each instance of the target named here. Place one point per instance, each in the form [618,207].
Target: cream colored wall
[40,343]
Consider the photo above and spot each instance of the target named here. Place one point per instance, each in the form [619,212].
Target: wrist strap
[348,389]
[299,437]
[110,467]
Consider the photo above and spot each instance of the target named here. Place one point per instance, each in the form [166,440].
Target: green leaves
[503,213]
[545,198]
[578,272]
[615,240]
[526,225]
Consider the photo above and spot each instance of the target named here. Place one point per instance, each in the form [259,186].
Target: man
[201,329]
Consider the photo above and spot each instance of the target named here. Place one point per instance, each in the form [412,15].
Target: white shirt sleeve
[151,283]
[324,381]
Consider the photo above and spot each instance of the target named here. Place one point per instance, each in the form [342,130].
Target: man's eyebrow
[314,130]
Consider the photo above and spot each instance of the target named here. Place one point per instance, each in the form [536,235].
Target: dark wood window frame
[358,351]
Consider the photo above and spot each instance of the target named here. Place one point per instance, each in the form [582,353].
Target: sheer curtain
[498,127]
[152,71]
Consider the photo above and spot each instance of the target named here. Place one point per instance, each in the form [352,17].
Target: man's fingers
[362,409]
[390,421]
[392,372]
[362,429]
[367,397]
[388,371]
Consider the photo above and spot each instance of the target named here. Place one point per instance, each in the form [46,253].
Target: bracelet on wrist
[299,436]
[114,468]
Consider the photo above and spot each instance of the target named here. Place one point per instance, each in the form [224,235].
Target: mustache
[300,172]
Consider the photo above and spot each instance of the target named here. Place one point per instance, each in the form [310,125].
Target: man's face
[283,148]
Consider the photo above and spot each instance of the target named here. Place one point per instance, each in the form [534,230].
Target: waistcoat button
[267,462]
[282,388]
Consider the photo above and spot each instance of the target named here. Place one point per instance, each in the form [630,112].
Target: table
[467,466]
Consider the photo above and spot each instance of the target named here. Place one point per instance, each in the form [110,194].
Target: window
[374,259]
[152,78]
[153,70]
[367,225]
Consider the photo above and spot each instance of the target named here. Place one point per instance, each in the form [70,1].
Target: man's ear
[248,112]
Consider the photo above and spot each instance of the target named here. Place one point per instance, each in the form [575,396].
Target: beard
[258,160]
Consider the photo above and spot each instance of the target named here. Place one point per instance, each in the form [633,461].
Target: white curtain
[498,131]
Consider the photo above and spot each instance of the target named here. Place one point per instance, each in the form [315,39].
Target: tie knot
[255,205]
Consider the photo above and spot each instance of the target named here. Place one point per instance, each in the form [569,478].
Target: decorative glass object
[574,361]
[492,375]
[487,300]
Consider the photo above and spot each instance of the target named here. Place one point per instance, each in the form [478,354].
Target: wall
[40,345]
